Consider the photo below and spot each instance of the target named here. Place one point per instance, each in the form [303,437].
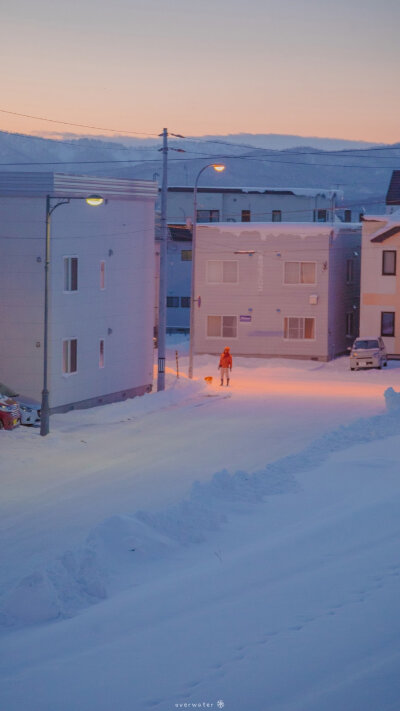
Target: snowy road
[288,602]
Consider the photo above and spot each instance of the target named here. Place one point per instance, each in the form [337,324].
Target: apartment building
[380,283]
[284,290]
[101,287]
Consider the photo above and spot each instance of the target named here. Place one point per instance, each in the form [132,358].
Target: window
[222,326]
[222,272]
[320,215]
[299,273]
[387,323]
[349,271]
[350,323]
[102,275]
[172,302]
[70,273]
[101,353]
[246,215]
[186,255]
[347,215]
[276,215]
[70,352]
[299,328]
[185,302]
[389,262]
[207,215]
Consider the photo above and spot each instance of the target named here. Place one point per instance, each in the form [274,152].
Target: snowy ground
[205,544]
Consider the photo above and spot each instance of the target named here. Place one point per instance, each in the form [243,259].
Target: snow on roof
[390,225]
[302,192]
[297,229]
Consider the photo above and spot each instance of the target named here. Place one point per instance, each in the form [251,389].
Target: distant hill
[360,169]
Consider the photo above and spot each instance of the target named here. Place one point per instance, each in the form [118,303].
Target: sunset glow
[310,68]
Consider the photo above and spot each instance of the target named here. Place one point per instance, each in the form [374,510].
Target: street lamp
[94,201]
[219,168]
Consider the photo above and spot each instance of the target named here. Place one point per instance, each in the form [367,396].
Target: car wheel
[352,368]
[1,425]
[385,363]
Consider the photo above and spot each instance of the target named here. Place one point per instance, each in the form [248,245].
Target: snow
[206,544]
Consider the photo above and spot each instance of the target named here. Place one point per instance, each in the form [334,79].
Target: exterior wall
[260,297]
[121,233]
[344,292]
[295,208]
[379,292]
[22,243]
[178,284]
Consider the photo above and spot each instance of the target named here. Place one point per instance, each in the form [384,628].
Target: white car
[368,353]
[29,409]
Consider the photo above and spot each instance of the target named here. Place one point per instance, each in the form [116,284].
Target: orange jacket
[225,360]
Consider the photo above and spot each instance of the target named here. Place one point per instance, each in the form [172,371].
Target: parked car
[368,353]
[9,413]
[29,409]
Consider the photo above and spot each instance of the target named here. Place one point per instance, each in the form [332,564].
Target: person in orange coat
[225,365]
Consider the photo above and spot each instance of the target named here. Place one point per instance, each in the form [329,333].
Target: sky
[312,68]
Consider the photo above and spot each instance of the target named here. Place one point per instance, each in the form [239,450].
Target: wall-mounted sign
[246,318]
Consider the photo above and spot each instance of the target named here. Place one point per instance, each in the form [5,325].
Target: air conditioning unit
[313,299]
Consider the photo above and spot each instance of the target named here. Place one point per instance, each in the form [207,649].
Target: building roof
[389,225]
[37,184]
[304,192]
[393,193]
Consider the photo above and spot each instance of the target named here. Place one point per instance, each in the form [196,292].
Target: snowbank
[117,551]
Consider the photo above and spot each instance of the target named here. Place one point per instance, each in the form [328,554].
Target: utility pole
[162,302]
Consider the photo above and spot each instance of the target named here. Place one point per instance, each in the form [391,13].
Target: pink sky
[313,68]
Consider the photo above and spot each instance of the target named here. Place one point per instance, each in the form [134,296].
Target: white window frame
[300,339]
[223,283]
[68,373]
[221,316]
[299,283]
[102,356]
[102,274]
[67,274]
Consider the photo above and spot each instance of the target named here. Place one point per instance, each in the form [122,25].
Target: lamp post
[94,201]
[219,168]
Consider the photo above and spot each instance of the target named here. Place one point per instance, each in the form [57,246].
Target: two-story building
[282,290]
[227,204]
[101,287]
[380,281]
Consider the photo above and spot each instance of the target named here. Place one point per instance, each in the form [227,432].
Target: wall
[378,292]
[295,208]
[344,295]
[260,293]
[22,247]
[178,284]
[121,233]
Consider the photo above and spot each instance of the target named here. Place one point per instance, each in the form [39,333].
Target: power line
[79,125]
[316,151]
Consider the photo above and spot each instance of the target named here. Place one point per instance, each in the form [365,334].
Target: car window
[366,344]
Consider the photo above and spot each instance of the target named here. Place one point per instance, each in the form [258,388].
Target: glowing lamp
[94,200]
[219,167]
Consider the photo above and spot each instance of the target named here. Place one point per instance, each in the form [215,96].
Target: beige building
[284,290]
[380,284]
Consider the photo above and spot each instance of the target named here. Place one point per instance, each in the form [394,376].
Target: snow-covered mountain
[360,169]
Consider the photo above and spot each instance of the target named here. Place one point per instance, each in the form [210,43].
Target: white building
[101,287]
[288,290]
[380,284]
[263,204]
